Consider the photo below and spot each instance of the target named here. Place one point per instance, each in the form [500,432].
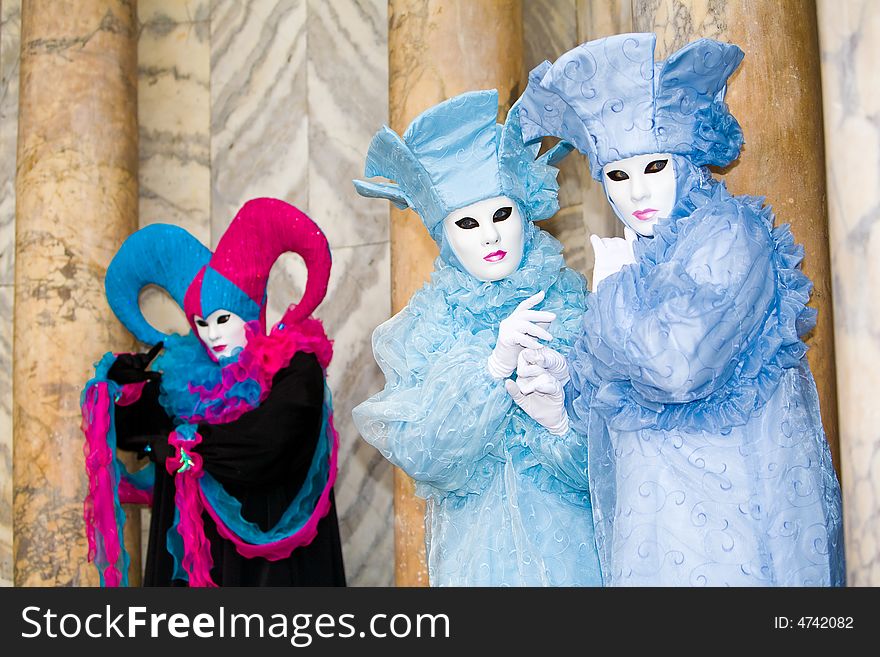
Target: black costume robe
[262,459]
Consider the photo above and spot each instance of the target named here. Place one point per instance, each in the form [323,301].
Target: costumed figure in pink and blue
[504,477]
[236,420]
[708,464]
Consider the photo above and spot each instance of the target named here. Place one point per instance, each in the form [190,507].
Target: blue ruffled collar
[185,366]
[490,302]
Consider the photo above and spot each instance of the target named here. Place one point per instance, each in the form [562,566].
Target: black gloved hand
[132,368]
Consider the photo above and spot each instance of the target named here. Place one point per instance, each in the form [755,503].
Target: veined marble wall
[10,33]
[850,45]
[240,99]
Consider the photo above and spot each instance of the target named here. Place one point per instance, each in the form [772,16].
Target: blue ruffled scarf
[455,306]
[184,364]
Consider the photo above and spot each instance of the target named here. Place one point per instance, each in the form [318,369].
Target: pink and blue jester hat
[233,278]
[455,154]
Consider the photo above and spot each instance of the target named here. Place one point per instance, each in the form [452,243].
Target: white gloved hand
[534,362]
[612,254]
[544,401]
[520,330]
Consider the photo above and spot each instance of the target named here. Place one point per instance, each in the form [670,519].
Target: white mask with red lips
[486,237]
[641,189]
[222,332]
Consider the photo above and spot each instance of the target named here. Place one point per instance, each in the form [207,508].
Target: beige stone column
[436,50]
[776,95]
[76,188]
[850,48]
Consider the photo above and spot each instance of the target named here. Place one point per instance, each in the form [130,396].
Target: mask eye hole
[617,175]
[656,166]
[223,319]
[502,213]
[467,223]
[201,322]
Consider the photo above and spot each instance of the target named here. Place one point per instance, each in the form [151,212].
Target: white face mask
[641,189]
[222,332]
[486,237]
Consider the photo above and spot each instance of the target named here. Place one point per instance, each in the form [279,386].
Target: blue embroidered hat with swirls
[611,100]
[455,154]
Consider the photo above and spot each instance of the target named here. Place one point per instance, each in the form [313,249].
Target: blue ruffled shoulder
[758,328]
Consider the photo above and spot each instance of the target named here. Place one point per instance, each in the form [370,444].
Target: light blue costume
[507,502]
[708,464]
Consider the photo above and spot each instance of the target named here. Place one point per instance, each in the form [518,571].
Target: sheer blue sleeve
[695,319]
[676,330]
[564,457]
[441,412]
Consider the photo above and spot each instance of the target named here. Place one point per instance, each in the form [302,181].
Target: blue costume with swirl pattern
[708,464]
[508,503]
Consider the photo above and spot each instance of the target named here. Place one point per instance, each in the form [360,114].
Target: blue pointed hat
[611,100]
[159,254]
[454,154]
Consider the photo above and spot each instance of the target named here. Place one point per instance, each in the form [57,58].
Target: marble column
[435,51]
[76,200]
[550,29]
[850,48]
[10,26]
[174,118]
[174,126]
[775,95]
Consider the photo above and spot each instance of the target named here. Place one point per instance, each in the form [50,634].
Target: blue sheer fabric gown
[708,464]
[508,503]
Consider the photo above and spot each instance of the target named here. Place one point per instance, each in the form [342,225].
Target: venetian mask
[641,189]
[222,332]
[486,237]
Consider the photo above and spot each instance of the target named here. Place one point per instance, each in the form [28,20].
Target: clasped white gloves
[522,329]
[534,362]
[612,254]
[543,399]
[541,375]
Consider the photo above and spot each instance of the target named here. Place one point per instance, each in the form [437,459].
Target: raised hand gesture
[612,254]
[132,368]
